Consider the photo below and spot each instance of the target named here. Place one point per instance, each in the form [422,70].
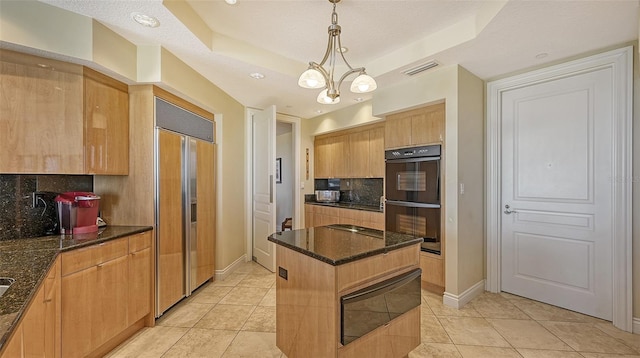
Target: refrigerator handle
[271,189]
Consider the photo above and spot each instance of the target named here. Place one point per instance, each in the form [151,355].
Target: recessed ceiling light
[359,99]
[256,75]
[231,2]
[342,49]
[318,111]
[542,55]
[145,20]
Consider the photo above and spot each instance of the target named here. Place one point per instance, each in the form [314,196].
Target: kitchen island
[347,291]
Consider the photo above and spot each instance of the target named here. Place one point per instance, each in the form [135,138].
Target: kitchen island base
[308,304]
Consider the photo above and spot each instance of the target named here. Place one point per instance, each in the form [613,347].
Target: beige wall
[44,30]
[636,182]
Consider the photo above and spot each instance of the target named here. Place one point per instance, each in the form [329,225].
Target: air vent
[420,68]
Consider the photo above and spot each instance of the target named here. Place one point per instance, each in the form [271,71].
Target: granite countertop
[339,244]
[348,205]
[28,261]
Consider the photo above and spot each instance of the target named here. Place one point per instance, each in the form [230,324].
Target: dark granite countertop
[28,261]
[348,205]
[339,244]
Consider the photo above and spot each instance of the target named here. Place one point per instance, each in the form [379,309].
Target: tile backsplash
[18,217]
[363,191]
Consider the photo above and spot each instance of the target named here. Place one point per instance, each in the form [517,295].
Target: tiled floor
[236,318]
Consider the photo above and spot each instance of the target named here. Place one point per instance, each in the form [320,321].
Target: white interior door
[264,189]
[557,192]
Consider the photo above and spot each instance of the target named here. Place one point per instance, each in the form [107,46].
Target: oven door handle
[409,204]
[412,160]
[382,288]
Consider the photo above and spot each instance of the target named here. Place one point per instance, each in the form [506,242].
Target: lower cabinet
[318,215]
[38,333]
[432,272]
[106,289]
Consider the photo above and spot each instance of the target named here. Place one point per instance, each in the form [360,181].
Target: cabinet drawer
[359,272]
[86,257]
[140,241]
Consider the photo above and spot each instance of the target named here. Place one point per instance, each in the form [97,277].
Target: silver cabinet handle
[508,210]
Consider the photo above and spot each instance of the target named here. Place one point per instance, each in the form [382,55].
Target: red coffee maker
[77,212]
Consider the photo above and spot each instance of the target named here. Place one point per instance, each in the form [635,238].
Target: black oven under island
[347,291]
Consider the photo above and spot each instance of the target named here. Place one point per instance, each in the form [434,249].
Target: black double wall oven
[412,193]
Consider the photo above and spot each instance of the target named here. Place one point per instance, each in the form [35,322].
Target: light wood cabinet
[61,118]
[318,215]
[353,153]
[206,192]
[38,334]
[140,270]
[432,272]
[106,290]
[41,117]
[106,124]
[420,126]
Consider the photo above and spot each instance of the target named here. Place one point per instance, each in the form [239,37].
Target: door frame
[620,61]
[297,207]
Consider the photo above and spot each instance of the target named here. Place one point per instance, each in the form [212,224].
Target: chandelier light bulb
[323,98]
[311,78]
[363,84]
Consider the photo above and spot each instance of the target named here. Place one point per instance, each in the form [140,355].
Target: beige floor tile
[543,312]
[605,355]
[184,315]
[149,343]
[527,334]
[472,331]
[269,299]
[630,339]
[263,319]
[435,350]
[439,309]
[253,344]
[251,267]
[487,352]
[244,296]
[584,337]
[424,307]
[211,294]
[493,305]
[263,281]
[431,330]
[231,280]
[210,343]
[228,317]
[539,353]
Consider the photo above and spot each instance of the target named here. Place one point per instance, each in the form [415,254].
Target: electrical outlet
[38,200]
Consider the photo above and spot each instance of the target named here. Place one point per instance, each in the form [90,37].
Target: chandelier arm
[346,74]
[328,50]
[320,69]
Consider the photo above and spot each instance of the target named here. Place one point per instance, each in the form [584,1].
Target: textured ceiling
[279,37]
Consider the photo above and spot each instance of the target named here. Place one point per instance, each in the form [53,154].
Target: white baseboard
[636,325]
[224,273]
[458,301]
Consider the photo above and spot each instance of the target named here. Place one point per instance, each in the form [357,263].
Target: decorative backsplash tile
[363,191]
[18,217]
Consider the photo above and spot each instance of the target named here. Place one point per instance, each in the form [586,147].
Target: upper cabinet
[106,124]
[353,153]
[61,118]
[40,115]
[420,126]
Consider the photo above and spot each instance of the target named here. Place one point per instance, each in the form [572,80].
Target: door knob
[508,210]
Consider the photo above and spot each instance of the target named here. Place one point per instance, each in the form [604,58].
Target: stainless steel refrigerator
[180,138]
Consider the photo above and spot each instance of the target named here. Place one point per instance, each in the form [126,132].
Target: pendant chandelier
[316,76]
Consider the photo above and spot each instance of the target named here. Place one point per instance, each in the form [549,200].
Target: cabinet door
[340,156]
[13,347]
[139,285]
[397,132]
[308,216]
[40,324]
[109,316]
[106,110]
[376,152]
[40,115]
[322,158]
[79,293]
[359,151]
[427,127]
[206,215]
